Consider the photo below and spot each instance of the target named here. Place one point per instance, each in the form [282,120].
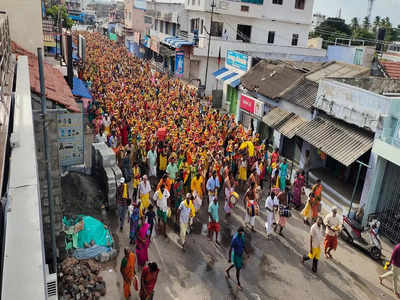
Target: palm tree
[377,23]
[366,23]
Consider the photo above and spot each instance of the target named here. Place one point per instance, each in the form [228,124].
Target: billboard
[140,4]
[179,62]
[70,139]
[237,60]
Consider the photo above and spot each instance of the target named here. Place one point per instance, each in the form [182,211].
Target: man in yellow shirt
[197,185]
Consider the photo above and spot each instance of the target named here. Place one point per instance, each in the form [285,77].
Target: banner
[237,60]
[179,62]
[247,104]
[70,139]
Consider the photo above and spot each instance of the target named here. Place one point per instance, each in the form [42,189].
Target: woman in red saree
[142,245]
[128,271]
[148,281]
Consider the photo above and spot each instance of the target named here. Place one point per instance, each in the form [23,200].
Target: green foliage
[60,11]
[334,28]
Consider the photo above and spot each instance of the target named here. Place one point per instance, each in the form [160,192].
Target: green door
[232,98]
[358,56]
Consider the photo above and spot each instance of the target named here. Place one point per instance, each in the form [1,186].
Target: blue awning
[80,89]
[235,83]
[230,77]
[176,42]
[220,71]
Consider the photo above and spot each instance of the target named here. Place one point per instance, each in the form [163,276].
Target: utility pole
[209,43]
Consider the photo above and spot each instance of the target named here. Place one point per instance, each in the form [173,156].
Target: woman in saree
[148,281]
[142,244]
[128,271]
[134,222]
[297,189]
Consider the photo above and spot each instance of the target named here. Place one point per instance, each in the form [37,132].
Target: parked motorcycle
[365,237]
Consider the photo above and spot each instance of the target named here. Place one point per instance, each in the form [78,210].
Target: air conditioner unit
[51,285]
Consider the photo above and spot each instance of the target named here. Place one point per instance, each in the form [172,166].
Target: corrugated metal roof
[287,123]
[337,70]
[304,94]
[341,141]
[275,116]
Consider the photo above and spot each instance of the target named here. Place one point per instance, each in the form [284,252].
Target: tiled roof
[391,68]
[57,89]
[271,80]
[303,94]
[341,141]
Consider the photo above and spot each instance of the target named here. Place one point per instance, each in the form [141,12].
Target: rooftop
[378,85]
[303,94]
[391,68]
[338,70]
[271,79]
[57,89]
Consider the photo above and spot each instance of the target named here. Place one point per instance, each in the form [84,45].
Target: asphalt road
[273,271]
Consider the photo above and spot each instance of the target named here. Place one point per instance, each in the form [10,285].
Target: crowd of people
[178,155]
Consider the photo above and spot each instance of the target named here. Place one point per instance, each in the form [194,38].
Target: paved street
[273,271]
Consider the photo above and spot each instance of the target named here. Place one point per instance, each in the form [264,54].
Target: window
[174,29]
[147,20]
[300,4]
[201,26]
[279,2]
[167,27]
[198,2]
[295,39]
[161,26]
[156,25]
[243,33]
[216,29]
[244,8]
[271,37]
[194,25]
[193,2]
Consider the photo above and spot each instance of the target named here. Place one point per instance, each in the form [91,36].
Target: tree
[366,23]
[355,26]
[376,24]
[60,11]
[332,28]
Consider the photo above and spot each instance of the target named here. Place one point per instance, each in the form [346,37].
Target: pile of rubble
[80,280]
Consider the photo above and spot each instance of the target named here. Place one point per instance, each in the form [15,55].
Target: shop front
[236,65]
[251,112]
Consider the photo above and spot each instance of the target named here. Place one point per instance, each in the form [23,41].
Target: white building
[254,26]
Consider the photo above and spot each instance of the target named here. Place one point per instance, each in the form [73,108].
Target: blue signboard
[146,41]
[140,4]
[179,62]
[237,60]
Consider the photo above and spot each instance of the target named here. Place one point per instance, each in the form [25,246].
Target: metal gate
[388,211]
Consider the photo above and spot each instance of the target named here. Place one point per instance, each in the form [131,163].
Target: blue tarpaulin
[80,89]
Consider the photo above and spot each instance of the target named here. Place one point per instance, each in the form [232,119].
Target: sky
[358,8]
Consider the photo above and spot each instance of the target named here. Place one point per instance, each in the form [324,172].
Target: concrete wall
[346,54]
[300,111]
[25,17]
[55,174]
[285,12]
[355,105]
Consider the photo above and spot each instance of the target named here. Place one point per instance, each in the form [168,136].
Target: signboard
[237,60]
[146,42]
[112,36]
[140,4]
[247,104]
[155,44]
[136,37]
[179,62]
[82,48]
[258,108]
[70,139]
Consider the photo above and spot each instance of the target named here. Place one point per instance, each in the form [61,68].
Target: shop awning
[230,77]
[342,141]
[176,42]
[287,123]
